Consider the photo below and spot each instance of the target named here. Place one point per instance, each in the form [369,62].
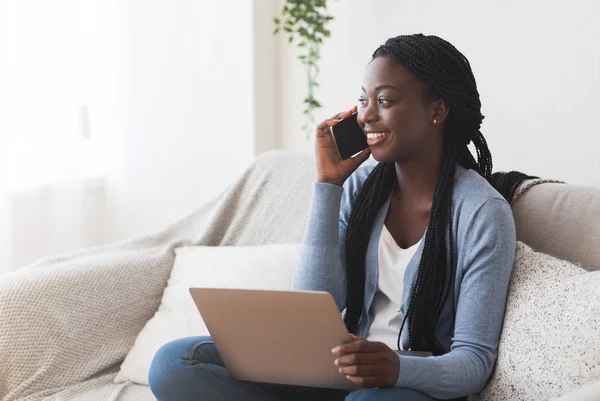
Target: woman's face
[392,103]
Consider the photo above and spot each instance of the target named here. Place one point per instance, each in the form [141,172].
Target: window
[56,82]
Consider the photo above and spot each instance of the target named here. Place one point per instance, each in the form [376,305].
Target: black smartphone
[349,137]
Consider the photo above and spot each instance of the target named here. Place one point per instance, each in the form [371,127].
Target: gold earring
[435,121]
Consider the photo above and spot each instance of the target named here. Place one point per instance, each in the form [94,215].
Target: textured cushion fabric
[252,267]
[550,342]
[561,220]
[68,318]
[99,388]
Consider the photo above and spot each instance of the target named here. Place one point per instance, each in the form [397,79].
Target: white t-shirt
[386,316]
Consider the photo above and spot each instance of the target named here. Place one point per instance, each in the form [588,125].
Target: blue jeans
[191,369]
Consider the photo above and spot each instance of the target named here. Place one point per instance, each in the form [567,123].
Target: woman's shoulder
[473,194]
[471,190]
[470,186]
[483,219]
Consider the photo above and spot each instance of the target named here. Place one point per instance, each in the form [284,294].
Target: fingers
[357,347]
[373,364]
[365,381]
[321,128]
[359,370]
[330,122]
[357,359]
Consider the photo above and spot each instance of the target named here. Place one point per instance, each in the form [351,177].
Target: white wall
[183,110]
[5,252]
[537,65]
[181,97]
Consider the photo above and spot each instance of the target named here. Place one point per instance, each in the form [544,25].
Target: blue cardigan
[470,324]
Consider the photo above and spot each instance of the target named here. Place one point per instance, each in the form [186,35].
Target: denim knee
[388,394]
[167,364]
[162,367]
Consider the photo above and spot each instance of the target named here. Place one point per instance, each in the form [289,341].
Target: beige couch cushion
[550,343]
[561,220]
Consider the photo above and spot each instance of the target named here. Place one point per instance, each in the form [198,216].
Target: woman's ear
[439,111]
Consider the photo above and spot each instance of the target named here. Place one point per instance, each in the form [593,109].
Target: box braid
[449,77]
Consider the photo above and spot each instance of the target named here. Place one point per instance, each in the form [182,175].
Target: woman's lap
[388,394]
[190,368]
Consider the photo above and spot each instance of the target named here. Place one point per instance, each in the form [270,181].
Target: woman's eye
[384,102]
[362,101]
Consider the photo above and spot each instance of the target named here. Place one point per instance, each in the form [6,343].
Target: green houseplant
[305,22]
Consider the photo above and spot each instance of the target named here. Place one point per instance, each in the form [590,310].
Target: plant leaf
[306,20]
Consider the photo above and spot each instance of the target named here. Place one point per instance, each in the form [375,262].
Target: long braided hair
[449,77]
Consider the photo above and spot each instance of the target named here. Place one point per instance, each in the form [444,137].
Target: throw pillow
[550,342]
[252,267]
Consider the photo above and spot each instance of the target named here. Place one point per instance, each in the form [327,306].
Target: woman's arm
[322,264]
[487,256]
[322,260]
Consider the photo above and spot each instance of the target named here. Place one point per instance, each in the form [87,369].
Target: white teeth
[374,135]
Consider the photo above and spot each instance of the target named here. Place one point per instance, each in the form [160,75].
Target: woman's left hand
[367,363]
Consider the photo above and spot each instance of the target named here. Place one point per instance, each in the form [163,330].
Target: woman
[416,247]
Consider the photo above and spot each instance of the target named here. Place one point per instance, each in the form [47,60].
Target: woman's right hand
[330,168]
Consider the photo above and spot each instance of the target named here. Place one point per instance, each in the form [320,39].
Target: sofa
[67,322]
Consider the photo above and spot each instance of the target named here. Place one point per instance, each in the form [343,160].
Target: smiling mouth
[376,135]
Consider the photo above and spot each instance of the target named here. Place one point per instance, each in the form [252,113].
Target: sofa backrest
[561,220]
[558,219]
[269,203]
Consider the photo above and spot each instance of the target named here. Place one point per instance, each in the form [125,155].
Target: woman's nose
[367,114]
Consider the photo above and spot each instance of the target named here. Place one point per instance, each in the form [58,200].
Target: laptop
[281,337]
